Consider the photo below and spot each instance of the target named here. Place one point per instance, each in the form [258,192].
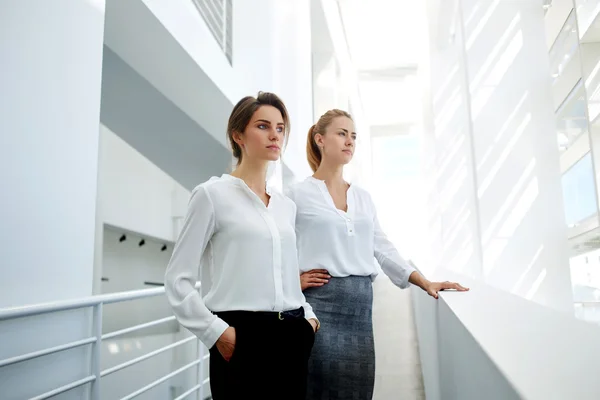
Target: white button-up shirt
[343,243]
[245,251]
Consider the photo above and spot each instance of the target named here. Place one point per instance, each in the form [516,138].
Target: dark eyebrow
[268,122]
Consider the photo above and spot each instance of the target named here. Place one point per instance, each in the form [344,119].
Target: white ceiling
[386,40]
[383,33]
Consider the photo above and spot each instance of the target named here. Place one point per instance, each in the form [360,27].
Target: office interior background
[479,139]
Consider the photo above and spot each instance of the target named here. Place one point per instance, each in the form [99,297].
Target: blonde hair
[242,115]
[313,153]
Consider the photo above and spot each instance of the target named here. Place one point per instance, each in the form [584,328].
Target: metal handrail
[66,305]
[65,388]
[137,327]
[145,356]
[45,352]
[161,380]
[97,303]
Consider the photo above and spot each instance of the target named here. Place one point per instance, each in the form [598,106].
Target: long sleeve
[308,311]
[391,262]
[182,271]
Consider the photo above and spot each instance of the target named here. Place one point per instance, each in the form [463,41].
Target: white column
[448,154]
[293,76]
[509,148]
[50,81]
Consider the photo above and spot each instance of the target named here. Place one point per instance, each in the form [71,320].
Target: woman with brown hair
[251,313]
[338,236]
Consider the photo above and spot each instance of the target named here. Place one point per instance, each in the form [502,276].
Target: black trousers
[270,358]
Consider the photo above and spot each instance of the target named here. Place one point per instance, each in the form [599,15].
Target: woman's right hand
[314,278]
[226,343]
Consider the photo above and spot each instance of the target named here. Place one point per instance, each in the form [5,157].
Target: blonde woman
[338,236]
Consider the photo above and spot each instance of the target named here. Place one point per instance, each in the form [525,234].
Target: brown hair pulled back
[242,115]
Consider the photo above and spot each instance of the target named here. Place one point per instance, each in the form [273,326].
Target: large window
[585,277]
[587,11]
[571,118]
[579,191]
[564,48]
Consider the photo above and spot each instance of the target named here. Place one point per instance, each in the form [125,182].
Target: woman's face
[338,143]
[264,136]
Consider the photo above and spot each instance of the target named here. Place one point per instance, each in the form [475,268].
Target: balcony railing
[94,341]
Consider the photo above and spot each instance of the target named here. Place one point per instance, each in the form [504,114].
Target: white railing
[96,303]
[218,16]
[491,344]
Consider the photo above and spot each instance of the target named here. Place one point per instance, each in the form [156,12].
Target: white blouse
[343,243]
[246,254]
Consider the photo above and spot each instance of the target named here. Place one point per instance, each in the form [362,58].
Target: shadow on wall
[506,213]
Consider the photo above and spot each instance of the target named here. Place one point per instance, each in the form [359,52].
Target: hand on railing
[226,343]
[434,287]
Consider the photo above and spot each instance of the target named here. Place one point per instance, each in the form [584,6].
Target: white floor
[398,369]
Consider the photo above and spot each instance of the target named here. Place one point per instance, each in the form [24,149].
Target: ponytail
[313,154]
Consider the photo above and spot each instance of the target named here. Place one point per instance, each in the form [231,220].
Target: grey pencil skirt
[342,363]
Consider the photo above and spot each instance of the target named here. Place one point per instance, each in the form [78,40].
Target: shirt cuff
[309,314]
[214,332]
[406,282]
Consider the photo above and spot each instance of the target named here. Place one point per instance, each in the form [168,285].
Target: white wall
[522,350]
[49,124]
[127,266]
[135,194]
[49,113]
[335,84]
[493,156]
[447,158]
[293,75]
[555,19]
[184,22]
[271,52]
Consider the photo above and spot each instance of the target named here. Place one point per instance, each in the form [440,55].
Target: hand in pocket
[226,343]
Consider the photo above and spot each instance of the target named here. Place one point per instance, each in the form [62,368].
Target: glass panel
[579,191]
[585,278]
[564,48]
[571,119]
[586,13]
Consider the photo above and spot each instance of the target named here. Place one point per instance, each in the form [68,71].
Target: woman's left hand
[434,287]
[314,278]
